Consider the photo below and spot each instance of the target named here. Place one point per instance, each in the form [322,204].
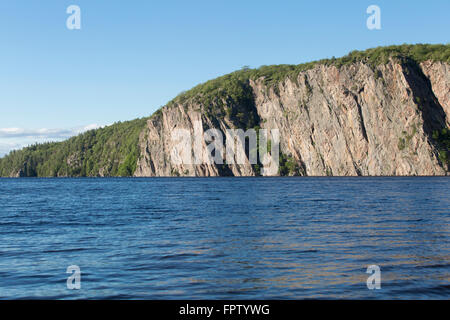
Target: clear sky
[131,57]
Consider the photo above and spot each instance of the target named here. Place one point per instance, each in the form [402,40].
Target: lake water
[225,238]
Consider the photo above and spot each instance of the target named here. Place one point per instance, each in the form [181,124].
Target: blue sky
[131,57]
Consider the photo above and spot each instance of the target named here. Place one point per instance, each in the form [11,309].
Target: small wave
[65,250]
[177,256]
[433,266]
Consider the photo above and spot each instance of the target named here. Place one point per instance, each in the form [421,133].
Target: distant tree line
[108,151]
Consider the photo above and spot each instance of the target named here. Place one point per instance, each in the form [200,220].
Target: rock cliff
[341,121]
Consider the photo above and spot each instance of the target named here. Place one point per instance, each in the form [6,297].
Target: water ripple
[277,238]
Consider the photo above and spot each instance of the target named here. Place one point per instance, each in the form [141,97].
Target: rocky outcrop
[351,120]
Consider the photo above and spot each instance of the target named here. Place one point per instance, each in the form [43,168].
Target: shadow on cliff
[434,117]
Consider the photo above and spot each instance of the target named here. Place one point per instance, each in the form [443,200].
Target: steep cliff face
[157,145]
[356,119]
[438,73]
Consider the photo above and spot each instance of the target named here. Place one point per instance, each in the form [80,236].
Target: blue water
[225,238]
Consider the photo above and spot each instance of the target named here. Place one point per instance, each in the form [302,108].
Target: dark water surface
[225,238]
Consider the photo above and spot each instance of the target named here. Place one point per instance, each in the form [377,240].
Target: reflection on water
[225,238]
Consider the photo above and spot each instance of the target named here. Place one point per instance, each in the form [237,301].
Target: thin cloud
[18,138]
[44,133]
